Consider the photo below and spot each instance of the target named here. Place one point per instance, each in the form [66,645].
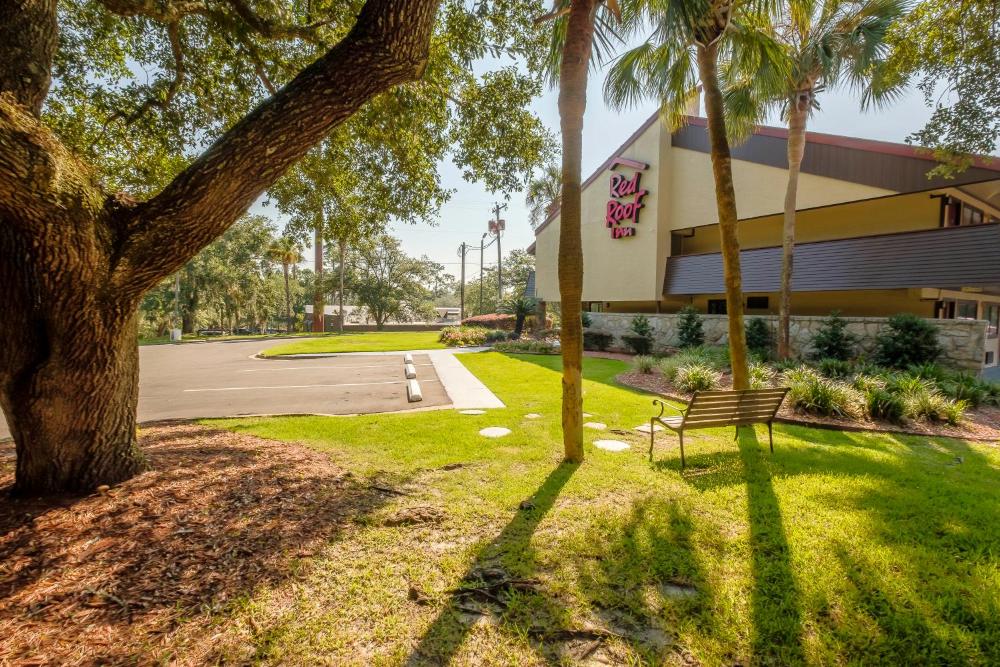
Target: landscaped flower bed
[471,336]
[923,398]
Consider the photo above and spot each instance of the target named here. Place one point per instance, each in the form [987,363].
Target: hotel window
[991,313]
[757,303]
[717,307]
[966,310]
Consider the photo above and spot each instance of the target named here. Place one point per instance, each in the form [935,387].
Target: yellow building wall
[760,189]
[902,213]
[626,269]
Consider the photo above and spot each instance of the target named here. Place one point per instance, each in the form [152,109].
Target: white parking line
[309,368]
[302,386]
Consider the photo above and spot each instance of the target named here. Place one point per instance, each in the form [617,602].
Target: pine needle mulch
[143,572]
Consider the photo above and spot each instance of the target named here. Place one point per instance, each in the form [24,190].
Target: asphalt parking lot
[223,379]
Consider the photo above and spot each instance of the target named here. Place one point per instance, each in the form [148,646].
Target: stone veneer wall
[963,341]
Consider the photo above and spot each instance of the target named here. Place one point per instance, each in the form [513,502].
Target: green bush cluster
[907,340]
[697,377]
[469,336]
[833,340]
[596,340]
[641,338]
[690,332]
[526,346]
[644,363]
[758,336]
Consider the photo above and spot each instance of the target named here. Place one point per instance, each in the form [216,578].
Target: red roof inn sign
[620,213]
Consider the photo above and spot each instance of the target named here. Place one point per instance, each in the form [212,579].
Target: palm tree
[543,193]
[826,43]
[520,307]
[572,45]
[687,41]
[285,251]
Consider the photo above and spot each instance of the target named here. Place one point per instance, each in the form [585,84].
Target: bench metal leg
[652,432]
[680,436]
[737,436]
[770,436]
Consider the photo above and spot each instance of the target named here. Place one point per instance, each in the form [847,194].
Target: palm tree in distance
[826,43]
[543,193]
[687,41]
[285,251]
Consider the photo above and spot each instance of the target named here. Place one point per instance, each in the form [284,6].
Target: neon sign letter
[622,187]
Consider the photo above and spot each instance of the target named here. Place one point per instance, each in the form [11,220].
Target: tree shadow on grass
[115,578]
[646,579]
[508,557]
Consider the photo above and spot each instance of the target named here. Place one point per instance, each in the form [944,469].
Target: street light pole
[482,247]
[461,306]
[498,226]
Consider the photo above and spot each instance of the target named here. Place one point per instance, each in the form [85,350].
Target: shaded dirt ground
[137,575]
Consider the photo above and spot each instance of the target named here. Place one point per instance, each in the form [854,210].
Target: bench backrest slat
[728,408]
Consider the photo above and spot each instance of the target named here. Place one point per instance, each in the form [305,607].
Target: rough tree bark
[725,200]
[797,115]
[75,260]
[572,105]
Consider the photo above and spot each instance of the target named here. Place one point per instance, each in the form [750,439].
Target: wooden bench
[709,409]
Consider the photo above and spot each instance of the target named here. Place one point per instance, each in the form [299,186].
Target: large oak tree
[77,254]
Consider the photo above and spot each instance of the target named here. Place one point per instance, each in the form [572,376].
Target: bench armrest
[663,405]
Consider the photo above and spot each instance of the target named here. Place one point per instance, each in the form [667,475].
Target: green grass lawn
[839,548]
[375,341]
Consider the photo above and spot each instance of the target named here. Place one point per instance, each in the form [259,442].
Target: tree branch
[29,35]
[388,45]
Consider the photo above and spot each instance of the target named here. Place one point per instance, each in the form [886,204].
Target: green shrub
[526,347]
[758,337]
[882,404]
[644,363]
[639,344]
[467,336]
[965,387]
[932,406]
[783,365]
[798,374]
[495,336]
[907,340]
[835,368]
[586,320]
[812,393]
[689,330]
[669,365]
[867,383]
[697,377]
[761,375]
[596,340]
[641,326]
[833,340]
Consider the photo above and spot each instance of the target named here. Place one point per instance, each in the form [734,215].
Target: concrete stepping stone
[494,432]
[587,414]
[532,415]
[472,412]
[597,426]
[644,428]
[611,445]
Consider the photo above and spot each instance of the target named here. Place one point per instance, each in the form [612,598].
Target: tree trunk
[72,411]
[75,260]
[796,150]
[288,298]
[725,200]
[572,105]
[319,303]
[340,292]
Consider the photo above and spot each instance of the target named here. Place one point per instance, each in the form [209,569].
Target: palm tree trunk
[725,200]
[288,298]
[796,149]
[340,293]
[572,105]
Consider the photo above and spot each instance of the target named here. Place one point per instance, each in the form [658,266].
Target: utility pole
[482,246]
[461,303]
[497,227]
[340,294]
[176,332]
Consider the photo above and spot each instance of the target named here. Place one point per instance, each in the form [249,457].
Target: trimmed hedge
[503,321]
[596,340]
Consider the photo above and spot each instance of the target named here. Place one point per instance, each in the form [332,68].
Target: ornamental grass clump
[644,363]
[883,404]
[697,377]
[812,393]
[761,375]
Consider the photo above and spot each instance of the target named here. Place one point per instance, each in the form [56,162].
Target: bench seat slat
[759,415]
[769,403]
[743,392]
[741,409]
